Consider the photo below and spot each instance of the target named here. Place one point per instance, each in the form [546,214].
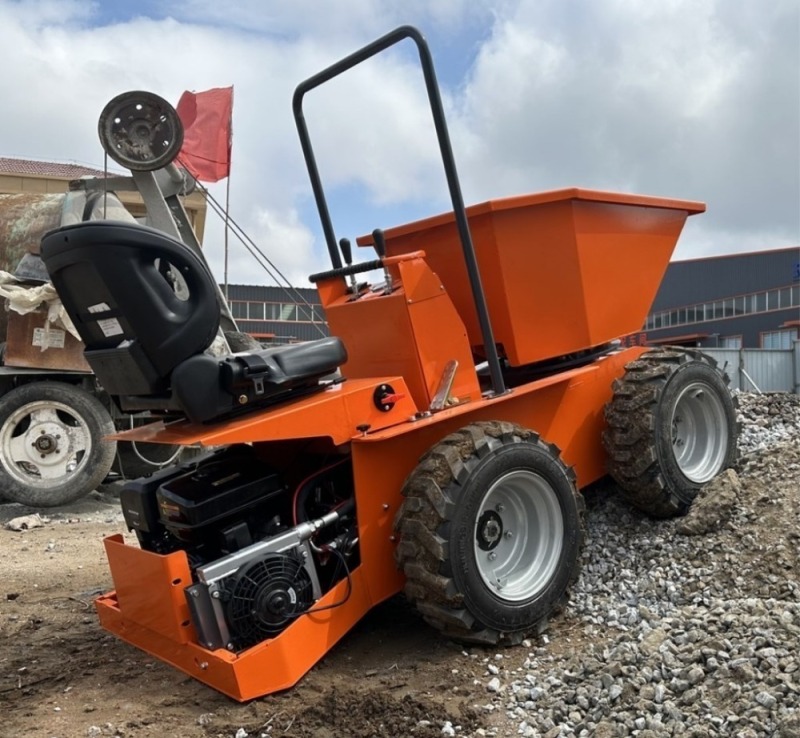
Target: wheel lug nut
[509,534]
[500,507]
[492,556]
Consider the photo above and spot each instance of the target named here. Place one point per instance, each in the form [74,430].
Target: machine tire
[69,424]
[462,504]
[671,429]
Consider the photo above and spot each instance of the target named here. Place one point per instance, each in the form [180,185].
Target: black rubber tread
[431,494]
[635,459]
[91,471]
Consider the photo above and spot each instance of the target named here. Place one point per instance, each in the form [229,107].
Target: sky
[692,99]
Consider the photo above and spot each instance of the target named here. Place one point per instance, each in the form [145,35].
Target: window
[779,339]
[682,316]
[733,342]
[738,305]
[796,295]
[304,313]
[761,302]
[288,311]
[255,310]
[239,310]
[785,297]
[772,300]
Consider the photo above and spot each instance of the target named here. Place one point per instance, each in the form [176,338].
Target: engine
[260,552]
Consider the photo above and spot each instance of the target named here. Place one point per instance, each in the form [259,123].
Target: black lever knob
[347,252]
[380,243]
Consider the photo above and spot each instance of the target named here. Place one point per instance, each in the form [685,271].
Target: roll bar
[435,100]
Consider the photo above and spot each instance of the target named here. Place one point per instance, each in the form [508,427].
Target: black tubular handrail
[435,100]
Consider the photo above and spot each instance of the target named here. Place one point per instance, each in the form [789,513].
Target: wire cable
[258,254]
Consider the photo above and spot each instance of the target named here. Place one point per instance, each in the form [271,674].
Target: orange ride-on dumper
[477,383]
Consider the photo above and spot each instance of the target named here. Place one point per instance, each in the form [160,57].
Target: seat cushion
[208,388]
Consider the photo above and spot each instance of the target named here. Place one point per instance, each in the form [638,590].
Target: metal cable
[259,255]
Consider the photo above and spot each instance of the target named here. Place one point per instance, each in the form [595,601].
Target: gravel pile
[767,420]
[686,627]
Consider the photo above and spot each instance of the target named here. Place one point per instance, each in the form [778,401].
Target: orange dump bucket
[563,270]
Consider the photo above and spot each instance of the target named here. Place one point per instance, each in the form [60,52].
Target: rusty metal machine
[53,414]
[480,388]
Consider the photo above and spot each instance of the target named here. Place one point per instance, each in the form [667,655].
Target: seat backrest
[136,325]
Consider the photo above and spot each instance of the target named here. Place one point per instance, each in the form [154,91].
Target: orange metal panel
[551,264]
[268,667]
[379,338]
[148,610]
[412,332]
[565,409]
[150,588]
[335,413]
[439,333]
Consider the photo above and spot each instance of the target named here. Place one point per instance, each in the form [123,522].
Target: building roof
[736,254]
[36,168]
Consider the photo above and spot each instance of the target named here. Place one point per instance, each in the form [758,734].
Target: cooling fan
[265,595]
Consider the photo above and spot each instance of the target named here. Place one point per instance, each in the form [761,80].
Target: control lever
[347,253]
[380,248]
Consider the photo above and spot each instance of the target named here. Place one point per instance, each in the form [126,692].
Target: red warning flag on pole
[207,118]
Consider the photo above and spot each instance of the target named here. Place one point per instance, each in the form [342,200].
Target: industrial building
[276,315]
[33,177]
[748,300]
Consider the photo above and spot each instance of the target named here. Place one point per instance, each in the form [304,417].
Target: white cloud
[692,99]
[697,99]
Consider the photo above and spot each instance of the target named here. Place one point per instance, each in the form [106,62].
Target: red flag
[206,118]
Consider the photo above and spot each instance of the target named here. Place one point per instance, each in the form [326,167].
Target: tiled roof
[46,168]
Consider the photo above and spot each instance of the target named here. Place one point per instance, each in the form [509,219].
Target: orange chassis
[548,267]
[148,608]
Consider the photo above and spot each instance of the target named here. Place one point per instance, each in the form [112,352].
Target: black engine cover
[221,504]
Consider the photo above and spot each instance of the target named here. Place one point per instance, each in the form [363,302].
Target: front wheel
[490,533]
[671,429]
[51,447]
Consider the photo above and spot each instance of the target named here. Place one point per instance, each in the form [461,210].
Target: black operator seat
[146,331]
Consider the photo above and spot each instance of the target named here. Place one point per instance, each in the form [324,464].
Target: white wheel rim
[44,443]
[518,536]
[699,432]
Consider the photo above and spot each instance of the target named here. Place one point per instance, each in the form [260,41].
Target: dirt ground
[62,676]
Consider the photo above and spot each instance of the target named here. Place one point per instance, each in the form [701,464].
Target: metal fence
[761,370]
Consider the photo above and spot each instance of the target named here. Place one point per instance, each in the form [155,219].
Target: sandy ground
[61,675]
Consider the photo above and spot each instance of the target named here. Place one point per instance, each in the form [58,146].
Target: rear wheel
[671,429]
[490,533]
[51,447]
